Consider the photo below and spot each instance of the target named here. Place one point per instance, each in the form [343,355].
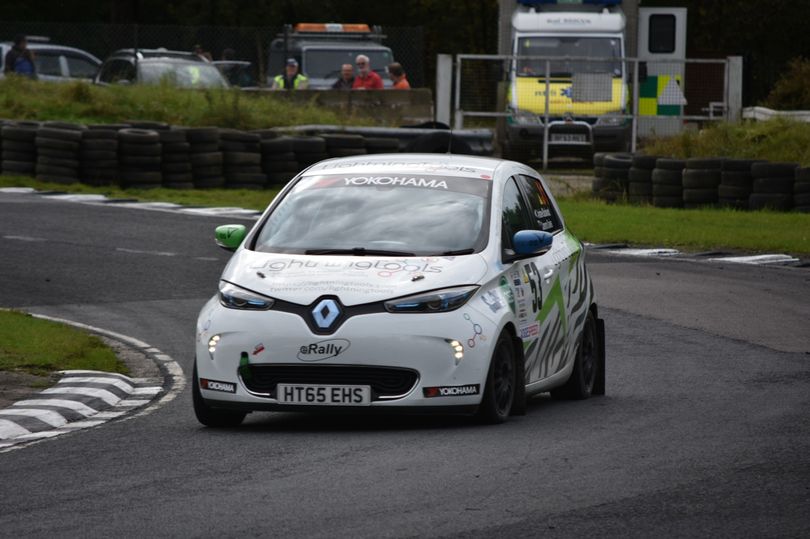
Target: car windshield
[325,63]
[608,48]
[183,74]
[396,214]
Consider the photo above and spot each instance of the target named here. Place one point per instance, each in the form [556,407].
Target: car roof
[157,53]
[53,47]
[321,44]
[449,164]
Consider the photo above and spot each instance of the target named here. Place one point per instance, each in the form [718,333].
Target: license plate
[569,137]
[323,395]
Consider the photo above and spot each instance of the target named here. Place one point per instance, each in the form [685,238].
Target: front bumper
[416,342]
[529,138]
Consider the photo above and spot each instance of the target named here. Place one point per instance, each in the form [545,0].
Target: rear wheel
[499,393]
[208,416]
[586,365]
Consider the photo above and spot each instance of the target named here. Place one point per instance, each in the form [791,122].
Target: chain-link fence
[247,43]
[549,106]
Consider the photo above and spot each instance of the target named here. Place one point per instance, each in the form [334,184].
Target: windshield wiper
[357,251]
[468,251]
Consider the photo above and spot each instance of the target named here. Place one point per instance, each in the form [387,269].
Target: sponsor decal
[318,351]
[451,391]
[433,167]
[530,331]
[477,332]
[258,349]
[506,290]
[542,214]
[215,385]
[424,265]
[402,181]
[492,300]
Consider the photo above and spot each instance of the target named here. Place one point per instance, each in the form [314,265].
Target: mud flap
[599,383]
[519,404]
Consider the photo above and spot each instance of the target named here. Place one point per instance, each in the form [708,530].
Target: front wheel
[499,393]
[586,365]
[211,417]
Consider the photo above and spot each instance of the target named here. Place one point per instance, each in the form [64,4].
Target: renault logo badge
[325,313]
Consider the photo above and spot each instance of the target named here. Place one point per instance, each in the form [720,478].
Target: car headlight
[610,121]
[521,117]
[437,301]
[234,297]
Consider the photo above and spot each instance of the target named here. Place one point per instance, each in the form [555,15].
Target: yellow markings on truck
[531,97]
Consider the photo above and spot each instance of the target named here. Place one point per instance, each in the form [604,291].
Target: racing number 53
[534,284]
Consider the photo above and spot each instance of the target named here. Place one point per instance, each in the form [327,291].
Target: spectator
[20,60]
[398,77]
[291,79]
[366,79]
[346,78]
[203,54]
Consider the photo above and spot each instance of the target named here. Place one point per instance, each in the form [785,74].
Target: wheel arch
[519,403]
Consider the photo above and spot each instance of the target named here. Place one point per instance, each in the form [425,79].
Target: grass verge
[39,347]
[701,229]
[591,220]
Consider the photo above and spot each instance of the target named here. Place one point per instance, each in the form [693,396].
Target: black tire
[202,134]
[173,136]
[176,158]
[616,173]
[283,156]
[176,147]
[276,145]
[266,134]
[644,162]
[206,159]
[670,164]
[700,196]
[100,134]
[178,185]
[176,178]
[92,155]
[107,127]
[59,134]
[599,159]
[99,145]
[126,148]
[56,144]
[65,180]
[438,142]
[335,140]
[209,182]
[242,158]
[801,200]
[774,170]
[212,171]
[100,163]
[235,135]
[382,145]
[140,177]
[731,191]
[663,190]
[55,162]
[614,161]
[138,136]
[639,175]
[204,147]
[50,170]
[140,161]
[346,152]
[18,167]
[802,175]
[279,178]
[583,377]
[733,178]
[149,125]
[799,188]
[243,169]
[308,145]
[281,166]
[501,383]
[733,203]
[9,155]
[250,147]
[211,417]
[783,185]
[660,201]
[779,202]
[599,172]
[739,165]
[306,159]
[22,134]
[703,163]
[639,189]
[174,168]
[662,176]
[639,199]
[700,178]
[244,178]
[19,146]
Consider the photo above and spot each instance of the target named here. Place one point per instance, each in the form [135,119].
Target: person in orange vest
[366,79]
[398,77]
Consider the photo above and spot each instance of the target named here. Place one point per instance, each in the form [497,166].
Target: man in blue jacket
[20,60]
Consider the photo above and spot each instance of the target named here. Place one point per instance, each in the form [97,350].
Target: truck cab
[321,49]
[574,50]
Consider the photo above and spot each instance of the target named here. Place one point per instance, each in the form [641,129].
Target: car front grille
[385,382]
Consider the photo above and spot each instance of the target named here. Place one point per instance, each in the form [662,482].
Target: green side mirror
[230,237]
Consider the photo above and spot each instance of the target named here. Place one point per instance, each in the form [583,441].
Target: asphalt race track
[705,430]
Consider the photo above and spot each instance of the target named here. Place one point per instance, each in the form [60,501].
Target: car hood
[355,280]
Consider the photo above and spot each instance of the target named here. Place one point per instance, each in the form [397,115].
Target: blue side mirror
[532,242]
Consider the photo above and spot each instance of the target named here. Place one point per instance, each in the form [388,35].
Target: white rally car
[400,283]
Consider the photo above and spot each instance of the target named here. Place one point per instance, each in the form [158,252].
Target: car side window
[80,68]
[47,63]
[541,209]
[116,70]
[515,215]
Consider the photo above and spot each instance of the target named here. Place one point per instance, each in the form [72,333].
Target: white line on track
[76,406]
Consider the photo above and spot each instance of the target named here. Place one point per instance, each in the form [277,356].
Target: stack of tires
[667,183]
[598,183]
[140,158]
[801,190]
[242,158]
[342,145]
[772,186]
[175,159]
[639,184]
[206,157]
[58,146]
[99,155]
[19,155]
[616,167]
[381,145]
[278,160]
[309,150]
[701,179]
[735,183]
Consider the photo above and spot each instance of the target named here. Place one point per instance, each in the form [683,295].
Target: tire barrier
[772,186]
[139,158]
[667,183]
[615,170]
[735,183]
[205,156]
[57,148]
[801,190]
[242,159]
[278,160]
[175,159]
[342,145]
[19,152]
[639,179]
[700,180]
[309,150]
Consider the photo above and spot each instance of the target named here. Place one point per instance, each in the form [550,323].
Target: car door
[562,277]
[79,67]
[48,64]
[532,282]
